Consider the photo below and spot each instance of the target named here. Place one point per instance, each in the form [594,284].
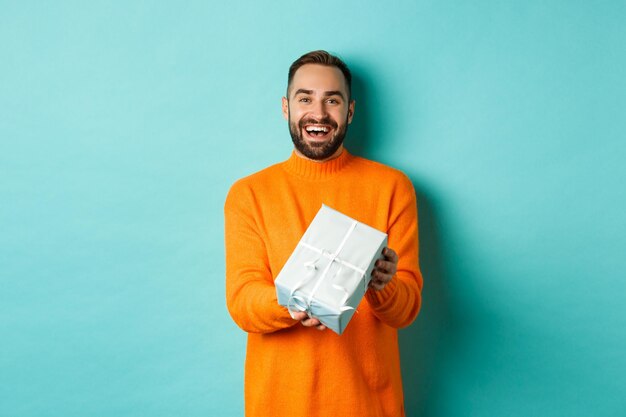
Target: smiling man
[294,365]
[318,110]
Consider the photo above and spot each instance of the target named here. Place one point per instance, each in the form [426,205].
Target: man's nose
[319,109]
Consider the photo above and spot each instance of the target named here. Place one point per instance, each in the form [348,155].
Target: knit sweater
[292,370]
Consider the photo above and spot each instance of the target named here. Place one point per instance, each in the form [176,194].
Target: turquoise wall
[123,124]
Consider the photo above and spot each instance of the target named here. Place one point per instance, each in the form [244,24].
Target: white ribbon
[311,267]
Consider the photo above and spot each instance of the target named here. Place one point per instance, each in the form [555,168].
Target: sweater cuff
[379,299]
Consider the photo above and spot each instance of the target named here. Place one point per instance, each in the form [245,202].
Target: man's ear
[351,111]
[286,108]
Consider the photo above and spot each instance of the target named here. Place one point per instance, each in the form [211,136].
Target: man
[294,365]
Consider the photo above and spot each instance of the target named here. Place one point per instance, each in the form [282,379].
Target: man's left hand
[384,269]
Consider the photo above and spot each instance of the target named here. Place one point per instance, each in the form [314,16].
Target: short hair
[320,57]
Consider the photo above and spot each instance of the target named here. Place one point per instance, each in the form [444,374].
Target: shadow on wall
[426,344]
[359,132]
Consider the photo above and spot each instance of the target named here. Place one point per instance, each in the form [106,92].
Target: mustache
[323,121]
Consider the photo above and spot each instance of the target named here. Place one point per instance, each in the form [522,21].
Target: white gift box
[328,272]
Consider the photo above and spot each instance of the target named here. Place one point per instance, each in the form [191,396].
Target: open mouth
[318,132]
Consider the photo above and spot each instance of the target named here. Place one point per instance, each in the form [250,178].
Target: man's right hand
[307,321]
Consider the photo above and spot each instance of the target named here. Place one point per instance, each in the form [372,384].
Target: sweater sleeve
[250,291]
[398,304]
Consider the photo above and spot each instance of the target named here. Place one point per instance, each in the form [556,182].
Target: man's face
[318,111]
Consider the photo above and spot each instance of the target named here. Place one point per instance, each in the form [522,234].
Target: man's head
[318,105]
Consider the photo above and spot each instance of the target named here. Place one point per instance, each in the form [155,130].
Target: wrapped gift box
[329,271]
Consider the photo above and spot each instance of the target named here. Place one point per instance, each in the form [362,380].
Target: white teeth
[316,129]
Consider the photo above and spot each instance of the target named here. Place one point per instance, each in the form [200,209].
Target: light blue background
[123,124]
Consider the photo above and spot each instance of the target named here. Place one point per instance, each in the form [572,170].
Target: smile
[317,131]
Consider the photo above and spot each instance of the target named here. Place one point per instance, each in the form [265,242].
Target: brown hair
[321,58]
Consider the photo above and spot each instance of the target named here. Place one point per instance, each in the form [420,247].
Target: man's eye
[304,100]
[332,101]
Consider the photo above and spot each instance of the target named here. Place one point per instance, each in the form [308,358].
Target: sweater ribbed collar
[306,168]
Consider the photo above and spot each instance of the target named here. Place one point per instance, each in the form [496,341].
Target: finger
[379,280]
[299,315]
[310,322]
[386,266]
[377,285]
[321,327]
[381,276]
[390,255]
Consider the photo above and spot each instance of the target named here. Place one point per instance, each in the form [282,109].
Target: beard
[314,150]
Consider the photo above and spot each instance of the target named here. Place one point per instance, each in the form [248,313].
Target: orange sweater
[292,370]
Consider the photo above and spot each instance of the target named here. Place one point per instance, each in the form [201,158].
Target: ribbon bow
[302,303]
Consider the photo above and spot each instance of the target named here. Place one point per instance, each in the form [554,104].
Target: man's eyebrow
[334,93]
[302,91]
